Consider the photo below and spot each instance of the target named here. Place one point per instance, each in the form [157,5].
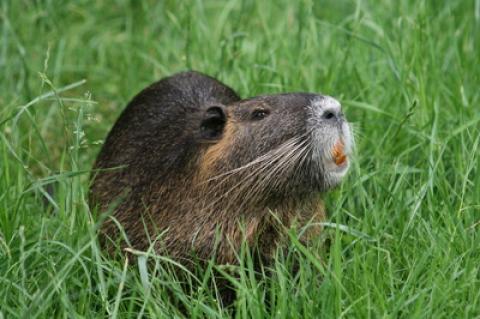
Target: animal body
[191,162]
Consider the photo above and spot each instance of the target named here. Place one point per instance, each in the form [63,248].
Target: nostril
[328,115]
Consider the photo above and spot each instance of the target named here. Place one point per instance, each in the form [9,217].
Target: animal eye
[259,114]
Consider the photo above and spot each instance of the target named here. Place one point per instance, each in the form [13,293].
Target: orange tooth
[339,156]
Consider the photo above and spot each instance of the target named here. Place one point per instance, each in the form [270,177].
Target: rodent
[190,160]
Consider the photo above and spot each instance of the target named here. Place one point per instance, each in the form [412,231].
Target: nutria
[188,159]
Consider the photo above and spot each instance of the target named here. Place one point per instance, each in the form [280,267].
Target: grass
[405,224]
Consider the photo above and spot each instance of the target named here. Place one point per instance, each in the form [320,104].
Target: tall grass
[404,226]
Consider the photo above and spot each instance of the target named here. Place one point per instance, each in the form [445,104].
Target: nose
[330,110]
[330,115]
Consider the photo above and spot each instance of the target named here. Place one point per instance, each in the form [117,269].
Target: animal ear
[213,122]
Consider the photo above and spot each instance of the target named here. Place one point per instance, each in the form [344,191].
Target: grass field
[405,224]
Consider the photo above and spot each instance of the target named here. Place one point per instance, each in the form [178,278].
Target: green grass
[405,225]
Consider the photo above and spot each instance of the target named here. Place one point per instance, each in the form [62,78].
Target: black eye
[259,114]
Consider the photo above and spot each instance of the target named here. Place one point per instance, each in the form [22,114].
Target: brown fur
[184,190]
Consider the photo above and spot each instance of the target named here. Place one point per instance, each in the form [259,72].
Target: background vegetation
[405,225]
